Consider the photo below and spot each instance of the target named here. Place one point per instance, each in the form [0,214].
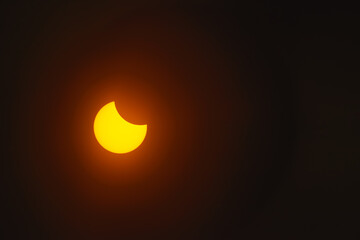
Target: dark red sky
[250,112]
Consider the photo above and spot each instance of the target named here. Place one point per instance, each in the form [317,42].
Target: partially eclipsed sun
[114,133]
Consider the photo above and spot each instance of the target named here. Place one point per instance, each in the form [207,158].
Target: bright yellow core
[114,133]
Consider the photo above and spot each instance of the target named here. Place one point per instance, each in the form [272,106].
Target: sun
[114,133]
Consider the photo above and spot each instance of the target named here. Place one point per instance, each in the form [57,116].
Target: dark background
[251,113]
